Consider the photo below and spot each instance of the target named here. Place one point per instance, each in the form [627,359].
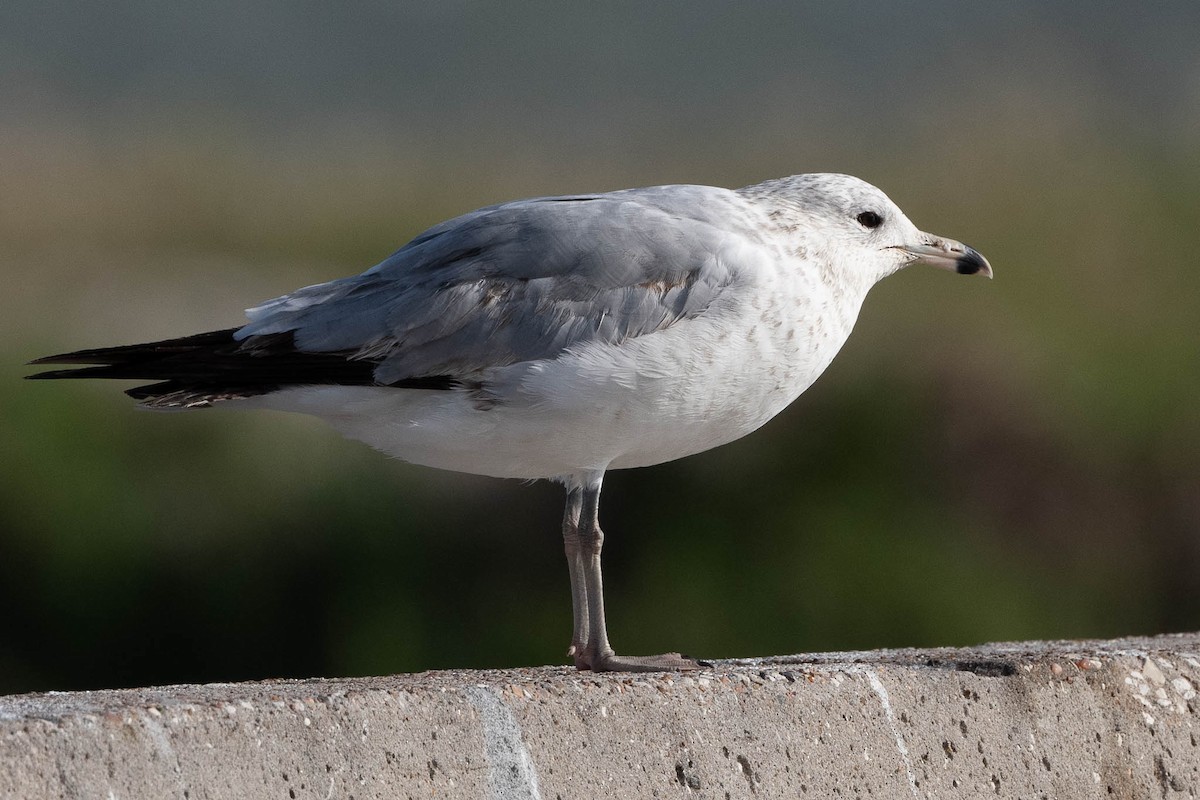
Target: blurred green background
[1015,459]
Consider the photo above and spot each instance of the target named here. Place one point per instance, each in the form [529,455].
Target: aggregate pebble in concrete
[1116,719]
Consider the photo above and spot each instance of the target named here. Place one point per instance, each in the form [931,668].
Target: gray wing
[520,281]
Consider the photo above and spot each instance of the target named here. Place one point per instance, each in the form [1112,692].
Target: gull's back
[523,281]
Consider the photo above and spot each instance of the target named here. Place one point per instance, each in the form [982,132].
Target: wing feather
[521,281]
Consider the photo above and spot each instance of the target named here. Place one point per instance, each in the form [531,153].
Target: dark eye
[869,219]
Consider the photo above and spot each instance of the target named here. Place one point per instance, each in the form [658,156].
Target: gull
[561,337]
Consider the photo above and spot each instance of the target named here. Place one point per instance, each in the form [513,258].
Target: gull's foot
[611,662]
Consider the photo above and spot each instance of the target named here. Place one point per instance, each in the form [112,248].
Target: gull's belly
[688,403]
[696,386]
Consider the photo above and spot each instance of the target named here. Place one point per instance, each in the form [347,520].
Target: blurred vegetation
[1018,459]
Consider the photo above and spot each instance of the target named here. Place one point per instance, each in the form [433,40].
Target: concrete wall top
[1111,719]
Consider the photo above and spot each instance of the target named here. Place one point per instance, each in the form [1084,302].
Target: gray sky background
[634,81]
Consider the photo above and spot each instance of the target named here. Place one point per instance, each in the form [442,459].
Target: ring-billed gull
[560,337]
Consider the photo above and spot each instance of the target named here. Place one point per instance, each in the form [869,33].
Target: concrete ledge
[1116,719]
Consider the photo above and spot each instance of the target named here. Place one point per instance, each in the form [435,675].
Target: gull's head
[853,223]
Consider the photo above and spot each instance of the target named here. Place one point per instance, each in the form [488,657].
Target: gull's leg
[597,653]
[579,598]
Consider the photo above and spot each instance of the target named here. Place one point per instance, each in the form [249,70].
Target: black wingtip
[61,358]
[49,375]
[97,371]
[143,351]
[209,367]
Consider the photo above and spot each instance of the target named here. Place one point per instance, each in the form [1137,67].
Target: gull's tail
[197,371]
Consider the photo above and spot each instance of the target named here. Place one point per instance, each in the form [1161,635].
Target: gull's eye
[869,219]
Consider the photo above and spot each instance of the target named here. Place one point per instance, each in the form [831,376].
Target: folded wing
[511,283]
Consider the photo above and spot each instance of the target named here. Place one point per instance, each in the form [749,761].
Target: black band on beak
[970,262]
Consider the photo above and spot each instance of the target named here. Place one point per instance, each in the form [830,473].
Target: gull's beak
[937,251]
